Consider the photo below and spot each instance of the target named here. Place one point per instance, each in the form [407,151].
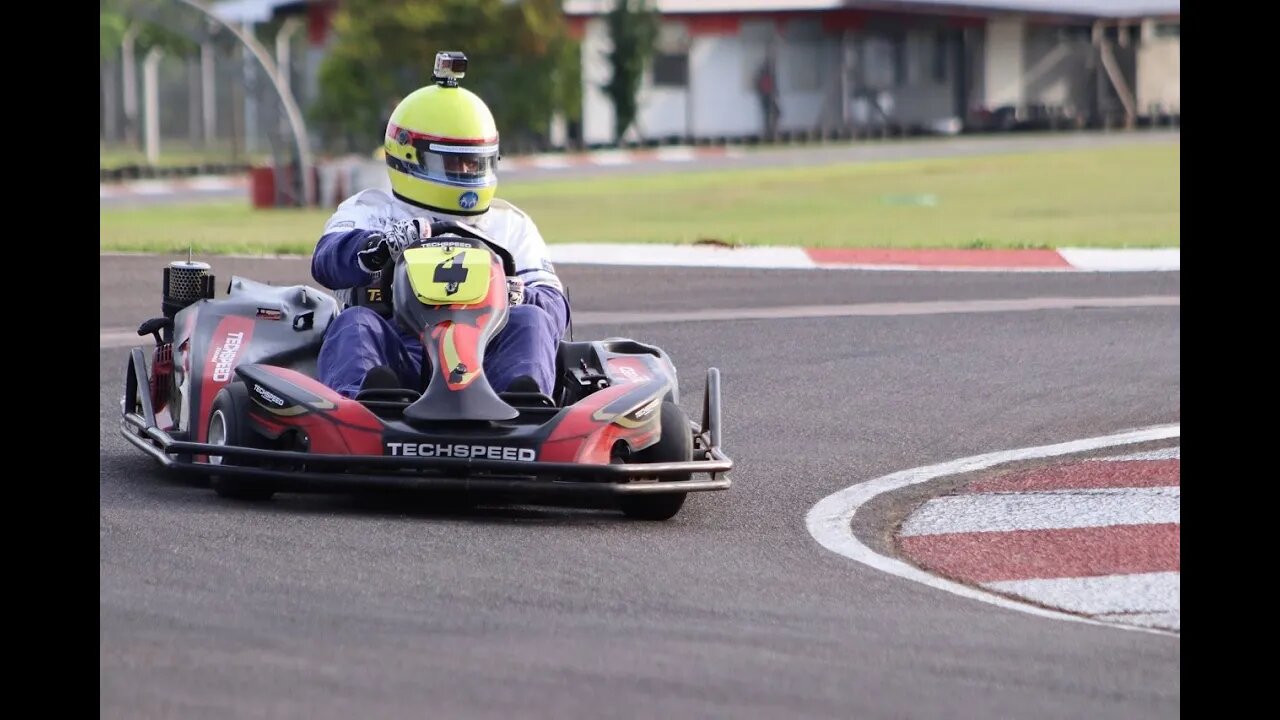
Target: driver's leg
[359,340]
[525,347]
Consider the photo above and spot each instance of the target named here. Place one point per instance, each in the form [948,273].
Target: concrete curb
[1099,537]
[830,522]
[198,184]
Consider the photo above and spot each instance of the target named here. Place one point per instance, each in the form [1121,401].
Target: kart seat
[388,394]
[527,399]
[408,395]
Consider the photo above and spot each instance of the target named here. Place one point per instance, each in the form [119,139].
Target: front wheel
[229,426]
[676,445]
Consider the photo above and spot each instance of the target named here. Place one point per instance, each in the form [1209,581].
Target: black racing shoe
[382,383]
[381,377]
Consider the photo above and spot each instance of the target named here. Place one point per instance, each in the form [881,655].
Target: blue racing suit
[360,339]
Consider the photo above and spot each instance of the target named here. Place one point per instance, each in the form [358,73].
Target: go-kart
[230,392]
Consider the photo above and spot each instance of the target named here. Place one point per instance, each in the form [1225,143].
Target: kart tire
[229,425]
[676,445]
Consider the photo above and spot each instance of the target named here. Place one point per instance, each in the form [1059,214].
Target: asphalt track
[326,607]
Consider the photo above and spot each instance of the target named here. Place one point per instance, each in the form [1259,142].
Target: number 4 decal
[452,273]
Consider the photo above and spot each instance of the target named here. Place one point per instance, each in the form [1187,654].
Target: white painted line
[676,154]
[1173,453]
[1102,595]
[610,157]
[1168,621]
[214,183]
[151,187]
[550,163]
[110,337]
[1044,510]
[788,312]
[830,520]
[1123,260]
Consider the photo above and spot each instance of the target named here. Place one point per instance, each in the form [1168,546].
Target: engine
[185,282]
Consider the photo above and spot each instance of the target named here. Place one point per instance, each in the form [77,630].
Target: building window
[804,67]
[921,52]
[1075,34]
[882,62]
[805,55]
[941,48]
[670,70]
[1168,29]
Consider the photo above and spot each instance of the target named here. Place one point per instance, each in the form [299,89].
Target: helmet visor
[469,165]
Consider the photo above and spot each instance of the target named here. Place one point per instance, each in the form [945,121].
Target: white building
[849,67]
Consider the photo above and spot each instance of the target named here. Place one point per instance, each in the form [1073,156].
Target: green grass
[211,228]
[1116,197]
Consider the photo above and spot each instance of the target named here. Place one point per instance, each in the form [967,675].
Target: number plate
[448,275]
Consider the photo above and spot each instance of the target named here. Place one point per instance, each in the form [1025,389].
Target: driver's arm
[334,263]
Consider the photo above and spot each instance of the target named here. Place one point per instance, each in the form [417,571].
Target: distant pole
[283,62]
[287,30]
[193,101]
[151,90]
[251,112]
[110,102]
[129,71]
[207,92]
[291,108]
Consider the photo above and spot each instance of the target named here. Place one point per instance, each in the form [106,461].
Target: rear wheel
[676,445]
[229,426]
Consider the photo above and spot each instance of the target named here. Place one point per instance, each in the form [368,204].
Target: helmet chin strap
[466,219]
[414,207]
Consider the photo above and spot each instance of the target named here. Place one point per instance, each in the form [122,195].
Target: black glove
[383,248]
[377,253]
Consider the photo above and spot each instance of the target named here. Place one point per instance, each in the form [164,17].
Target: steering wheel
[453,227]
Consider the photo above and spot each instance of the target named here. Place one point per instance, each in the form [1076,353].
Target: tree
[523,62]
[633,27]
[149,24]
[115,17]
[113,25]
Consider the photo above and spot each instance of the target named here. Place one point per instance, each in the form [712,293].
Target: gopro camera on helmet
[451,66]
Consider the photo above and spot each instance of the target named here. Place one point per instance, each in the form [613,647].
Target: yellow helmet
[441,145]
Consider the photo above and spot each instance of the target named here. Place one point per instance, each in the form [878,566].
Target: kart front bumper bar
[301,471]
[420,472]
